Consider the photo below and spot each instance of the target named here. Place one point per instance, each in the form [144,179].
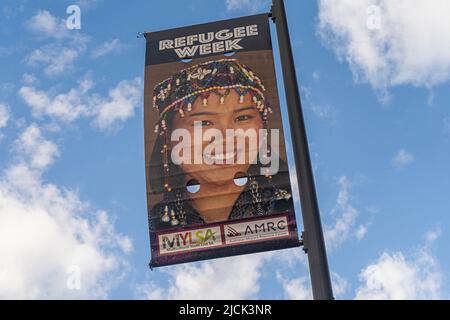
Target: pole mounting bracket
[303,242]
[272,14]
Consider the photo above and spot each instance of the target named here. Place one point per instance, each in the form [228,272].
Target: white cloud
[361,232]
[292,273]
[44,24]
[247,5]
[58,57]
[55,59]
[402,159]
[88,4]
[66,107]
[338,233]
[119,106]
[389,43]
[233,278]
[47,232]
[397,277]
[432,235]
[340,285]
[4,115]
[107,48]
[39,152]
[29,79]
[107,112]
[295,288]
[323,111]
[305,92]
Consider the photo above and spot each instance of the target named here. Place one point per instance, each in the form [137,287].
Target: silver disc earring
[240,179]
[193,186]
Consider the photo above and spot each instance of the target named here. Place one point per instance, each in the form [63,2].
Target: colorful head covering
[179,92]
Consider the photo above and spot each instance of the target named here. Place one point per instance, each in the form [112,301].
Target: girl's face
[229,115]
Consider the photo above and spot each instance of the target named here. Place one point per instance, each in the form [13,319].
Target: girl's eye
[203,123]
[243,118]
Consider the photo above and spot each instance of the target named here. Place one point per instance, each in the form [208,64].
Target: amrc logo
[263,229]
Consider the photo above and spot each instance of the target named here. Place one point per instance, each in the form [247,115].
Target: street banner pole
[313,239]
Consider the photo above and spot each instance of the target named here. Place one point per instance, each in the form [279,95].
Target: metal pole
[313,240]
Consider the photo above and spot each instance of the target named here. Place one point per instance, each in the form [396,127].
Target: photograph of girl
[221,94]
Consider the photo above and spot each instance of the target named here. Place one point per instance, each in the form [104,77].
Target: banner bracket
[303,242]
[141,35]
[271,14]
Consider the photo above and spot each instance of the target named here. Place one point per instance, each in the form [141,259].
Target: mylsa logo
[190,240]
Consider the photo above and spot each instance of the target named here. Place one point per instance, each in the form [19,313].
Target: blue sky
[374,79]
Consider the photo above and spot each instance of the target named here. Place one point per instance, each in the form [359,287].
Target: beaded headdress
[178,93]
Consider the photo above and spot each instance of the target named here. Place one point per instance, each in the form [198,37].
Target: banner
[217,175]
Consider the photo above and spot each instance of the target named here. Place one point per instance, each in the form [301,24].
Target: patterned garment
[272,201]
